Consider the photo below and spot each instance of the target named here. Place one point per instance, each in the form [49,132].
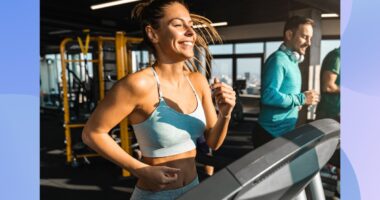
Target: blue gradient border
[360,110]
[19,100]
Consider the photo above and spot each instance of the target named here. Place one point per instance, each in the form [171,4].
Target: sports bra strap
[159,88]
[191,85]
[158,82]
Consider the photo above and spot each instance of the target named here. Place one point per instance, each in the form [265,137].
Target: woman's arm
[120,101]
[216,125]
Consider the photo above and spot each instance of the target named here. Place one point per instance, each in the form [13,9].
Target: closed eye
[178,22]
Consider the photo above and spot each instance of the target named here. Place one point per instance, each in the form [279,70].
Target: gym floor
[101,179]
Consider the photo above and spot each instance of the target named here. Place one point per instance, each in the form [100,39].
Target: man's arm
[328,82]
[273,77]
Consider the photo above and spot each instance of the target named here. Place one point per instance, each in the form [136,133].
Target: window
[50,79]
[249,69]
[271,47]
[222,69]
[240,61]
[327,46]
[221,49]
[244,48]
[140,60]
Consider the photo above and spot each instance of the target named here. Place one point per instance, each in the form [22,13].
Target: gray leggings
[140,194]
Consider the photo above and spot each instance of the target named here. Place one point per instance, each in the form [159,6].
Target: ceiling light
[59,32]
[213,24]
[329,15]
[112,3]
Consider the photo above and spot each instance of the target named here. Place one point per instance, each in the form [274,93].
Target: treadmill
[280,169]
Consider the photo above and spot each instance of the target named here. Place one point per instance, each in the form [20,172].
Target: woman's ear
[288,35]
[152,35]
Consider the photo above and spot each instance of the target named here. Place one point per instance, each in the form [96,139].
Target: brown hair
[151,11]
[293,23]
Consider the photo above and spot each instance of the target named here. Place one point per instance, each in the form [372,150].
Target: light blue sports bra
[168,132]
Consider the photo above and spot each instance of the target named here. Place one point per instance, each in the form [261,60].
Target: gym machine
[280,169]
[123,66]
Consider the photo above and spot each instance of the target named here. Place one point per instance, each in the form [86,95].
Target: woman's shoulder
[198,80]
[138,83]
[197,76]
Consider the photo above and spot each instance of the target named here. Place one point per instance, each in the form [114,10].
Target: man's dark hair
[293,23]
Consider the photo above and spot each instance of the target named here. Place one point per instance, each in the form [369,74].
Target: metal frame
[122,63]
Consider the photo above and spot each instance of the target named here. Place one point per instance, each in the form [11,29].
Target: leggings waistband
[139,193]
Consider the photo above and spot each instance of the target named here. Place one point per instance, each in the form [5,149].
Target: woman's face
[175,37]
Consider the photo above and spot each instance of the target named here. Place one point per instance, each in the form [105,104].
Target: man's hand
[312,97]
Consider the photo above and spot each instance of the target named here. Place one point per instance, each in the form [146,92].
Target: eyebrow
[170,21]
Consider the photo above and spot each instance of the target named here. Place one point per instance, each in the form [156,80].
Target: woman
[168,104]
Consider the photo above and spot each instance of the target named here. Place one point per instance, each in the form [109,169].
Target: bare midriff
[183,161]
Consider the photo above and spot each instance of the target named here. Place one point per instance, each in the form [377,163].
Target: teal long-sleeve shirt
[280,94]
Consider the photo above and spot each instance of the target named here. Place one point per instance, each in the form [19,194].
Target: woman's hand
[157,177]
[225,97]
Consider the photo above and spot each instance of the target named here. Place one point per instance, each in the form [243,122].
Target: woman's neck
[173,73]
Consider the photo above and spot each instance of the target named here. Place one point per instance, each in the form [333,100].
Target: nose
[189,30]
[308,42]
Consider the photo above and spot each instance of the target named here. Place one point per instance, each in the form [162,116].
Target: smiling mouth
[187,43]
[303,48]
